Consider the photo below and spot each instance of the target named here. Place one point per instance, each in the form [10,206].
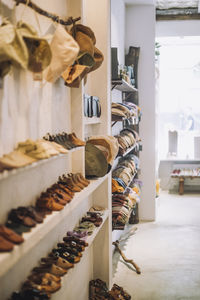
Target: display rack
[22,186]
[123,86]
[127,90]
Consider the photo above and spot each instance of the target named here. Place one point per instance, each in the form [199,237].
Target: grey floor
[167,251]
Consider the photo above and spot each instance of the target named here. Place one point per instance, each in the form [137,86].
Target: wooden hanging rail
[40,11]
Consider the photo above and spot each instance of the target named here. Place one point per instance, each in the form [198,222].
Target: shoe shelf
[8,173]
[37,233]
[123,86]
[91,121]
[134,120]
[68,281]
[134,147]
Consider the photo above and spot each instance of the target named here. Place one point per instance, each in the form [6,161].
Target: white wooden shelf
[123,86]
[8,173]
[32,238]
[92,121]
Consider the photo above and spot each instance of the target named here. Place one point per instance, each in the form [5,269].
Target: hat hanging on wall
[89,56]
[64,52]
[13,50]
[74,74]
[39,51]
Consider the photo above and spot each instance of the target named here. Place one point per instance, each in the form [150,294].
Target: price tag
[37,76]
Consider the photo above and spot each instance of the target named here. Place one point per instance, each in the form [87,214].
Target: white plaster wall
[30,109]
[140,31]
[178,28]
[118,40]
[118,27]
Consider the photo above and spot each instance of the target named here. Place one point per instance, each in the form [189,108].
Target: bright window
[179,97]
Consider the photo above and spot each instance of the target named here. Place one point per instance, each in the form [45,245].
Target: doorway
[178,118]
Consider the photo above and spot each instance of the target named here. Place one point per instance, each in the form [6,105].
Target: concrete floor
[167,251]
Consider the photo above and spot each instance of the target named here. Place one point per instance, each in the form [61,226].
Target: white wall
[140,31]
[118,40]
[178,28]
[118,27]
[28,109]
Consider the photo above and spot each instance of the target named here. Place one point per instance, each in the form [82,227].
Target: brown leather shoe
[50,268]
[5,245]
[47,286]
[50,203]
[58,261]
[76,181]
[83,178]
[10,235]
[72,186]
[76,141]
[40,277]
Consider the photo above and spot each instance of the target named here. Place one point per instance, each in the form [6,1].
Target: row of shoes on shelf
[22,219]
[186,172]
[68,141]
[127,138]
[31,151]
[98,290]
[45,279]
[124,110]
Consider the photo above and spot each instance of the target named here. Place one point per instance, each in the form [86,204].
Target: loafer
[60,262]
[49,287]
[20,216]
[5,245]
[50,268]
[10,235]
[78,241]
[69,249]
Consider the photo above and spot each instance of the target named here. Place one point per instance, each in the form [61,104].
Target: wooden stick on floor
[130,261]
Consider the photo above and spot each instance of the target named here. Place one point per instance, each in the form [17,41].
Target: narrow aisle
[167,252]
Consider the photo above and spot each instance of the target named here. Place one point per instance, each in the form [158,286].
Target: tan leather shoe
[10,235]
[5,245]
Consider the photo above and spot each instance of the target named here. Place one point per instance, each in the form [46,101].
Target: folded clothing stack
[127,139]
[122,204]
[45,279]
[125,190]
[125,170]
[22,219]
[124,110]
[98,291]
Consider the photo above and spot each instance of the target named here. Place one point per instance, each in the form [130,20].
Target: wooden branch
[40,11]
[177,14]
[130,261]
